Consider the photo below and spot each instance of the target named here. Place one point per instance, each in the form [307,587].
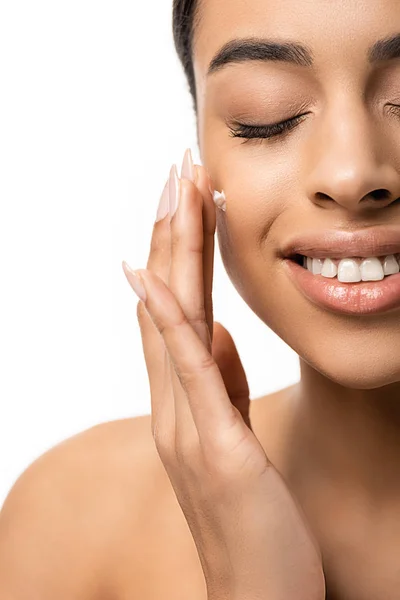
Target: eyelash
[262,132]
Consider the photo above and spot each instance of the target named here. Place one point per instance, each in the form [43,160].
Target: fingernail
[220,199]
[135,281]
[187,170]
[211,186]
[173,191]
[163,206]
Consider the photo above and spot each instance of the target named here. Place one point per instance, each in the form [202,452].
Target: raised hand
[250,532]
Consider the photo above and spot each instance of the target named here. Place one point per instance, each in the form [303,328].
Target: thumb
[226,356]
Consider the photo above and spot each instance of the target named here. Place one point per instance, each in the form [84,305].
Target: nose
[355,165]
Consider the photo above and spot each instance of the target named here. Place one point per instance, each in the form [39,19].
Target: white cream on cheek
[220,200]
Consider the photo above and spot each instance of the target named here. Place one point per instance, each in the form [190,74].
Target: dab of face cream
[220,200]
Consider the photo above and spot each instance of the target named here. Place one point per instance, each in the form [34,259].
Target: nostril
[380,194]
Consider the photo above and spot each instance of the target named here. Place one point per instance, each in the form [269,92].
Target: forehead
[336,31]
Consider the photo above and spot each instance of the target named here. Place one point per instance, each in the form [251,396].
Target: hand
[251,536]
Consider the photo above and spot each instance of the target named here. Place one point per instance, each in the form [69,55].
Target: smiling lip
[368,242]
[361,298]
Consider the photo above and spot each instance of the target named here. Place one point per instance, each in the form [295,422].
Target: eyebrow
[247,49]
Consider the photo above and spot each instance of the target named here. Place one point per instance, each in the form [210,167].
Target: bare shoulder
[101,502]
[71,506]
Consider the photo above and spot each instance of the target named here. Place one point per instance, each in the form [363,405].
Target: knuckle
[190,374]
[199,317]
[187,449]
[205,363]
[168,327]
[164,442]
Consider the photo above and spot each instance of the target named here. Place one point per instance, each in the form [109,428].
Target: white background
[94,109]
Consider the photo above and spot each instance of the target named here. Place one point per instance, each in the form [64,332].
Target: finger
[187,284]
[205,185]
[230,365]
[185,268]
[213,413]
[155,354]
[187,241]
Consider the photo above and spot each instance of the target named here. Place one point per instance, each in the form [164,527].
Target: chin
[353,351]
[357,374]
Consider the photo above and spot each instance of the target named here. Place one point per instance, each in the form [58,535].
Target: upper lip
[325,243]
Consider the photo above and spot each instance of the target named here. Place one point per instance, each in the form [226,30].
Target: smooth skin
[110,512]
[251,537]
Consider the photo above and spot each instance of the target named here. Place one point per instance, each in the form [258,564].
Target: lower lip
[362,298]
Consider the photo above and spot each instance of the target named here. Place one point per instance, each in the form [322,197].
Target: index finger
[205,186]
[198,373]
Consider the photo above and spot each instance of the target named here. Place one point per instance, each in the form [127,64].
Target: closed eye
[261,132]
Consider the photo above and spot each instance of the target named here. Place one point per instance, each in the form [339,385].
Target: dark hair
[185,16]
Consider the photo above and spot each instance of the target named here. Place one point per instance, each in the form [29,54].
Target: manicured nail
[211,186]
[220,200]
[135,281]
[187,170]
[174,189]
[163,207]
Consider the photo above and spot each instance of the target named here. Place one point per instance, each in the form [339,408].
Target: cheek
[250,172]
[256,195]
[245,252]
[264,194]
[361,354]
[256,199]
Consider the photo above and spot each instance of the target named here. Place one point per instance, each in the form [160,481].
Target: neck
[351,436]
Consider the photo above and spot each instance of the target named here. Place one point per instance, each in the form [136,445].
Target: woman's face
[321,175]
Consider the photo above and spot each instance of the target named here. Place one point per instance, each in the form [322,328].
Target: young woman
[294,496]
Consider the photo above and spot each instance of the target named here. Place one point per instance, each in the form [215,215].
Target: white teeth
[390,265]
[329,269]
[349,271]
[317,264]
[371,269]
[353,270]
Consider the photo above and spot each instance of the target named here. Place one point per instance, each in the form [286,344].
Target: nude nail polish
[163,207]
[135,281]
[187,170]
[174,190]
